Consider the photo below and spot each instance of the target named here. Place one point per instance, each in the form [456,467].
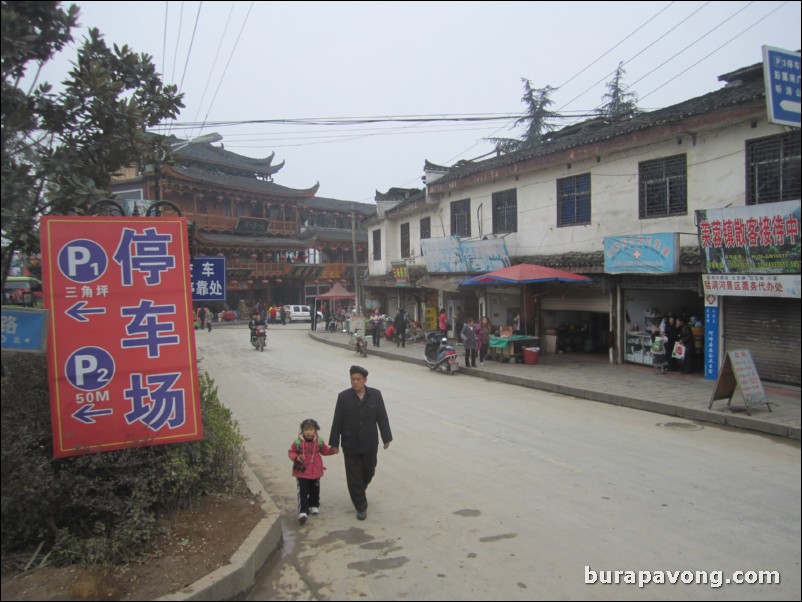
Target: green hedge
[103,507]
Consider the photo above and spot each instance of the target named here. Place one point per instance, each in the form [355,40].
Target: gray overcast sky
[296,60]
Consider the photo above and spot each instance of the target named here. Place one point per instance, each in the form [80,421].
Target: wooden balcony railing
[222,223]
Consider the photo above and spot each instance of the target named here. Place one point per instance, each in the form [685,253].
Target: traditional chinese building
[282,245]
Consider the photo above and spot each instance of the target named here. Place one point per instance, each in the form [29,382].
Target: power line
[225,70]
[629,60]
[704,58]
[214,62]
[191,43]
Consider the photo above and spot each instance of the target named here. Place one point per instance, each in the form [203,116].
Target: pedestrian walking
[442,322]
[359,417]
[400,325]
[378,327]
[483,331]
[468,336]
[306,453]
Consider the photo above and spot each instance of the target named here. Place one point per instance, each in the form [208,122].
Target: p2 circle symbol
[90,368]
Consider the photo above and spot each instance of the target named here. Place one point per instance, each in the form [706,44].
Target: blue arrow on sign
[78,313]
[87,415]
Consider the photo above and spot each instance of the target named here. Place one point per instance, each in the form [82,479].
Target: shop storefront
[752,263]
[770,329]
[574,318]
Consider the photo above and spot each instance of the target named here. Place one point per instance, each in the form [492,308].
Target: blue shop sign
[781,70]
[208,276]
[642,253]
[24,329]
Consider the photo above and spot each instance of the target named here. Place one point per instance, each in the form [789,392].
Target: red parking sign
[121,349]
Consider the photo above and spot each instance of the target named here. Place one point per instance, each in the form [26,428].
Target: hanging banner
[400,273]
[711,337]
[121,347]
[753,285]
[756,239]
[451,254]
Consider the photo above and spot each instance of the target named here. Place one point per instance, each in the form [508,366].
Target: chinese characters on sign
[121,353]
[641,254]
[739,371]
[209,279]
[400,273]
[23,329]
[711,337]
[746,373]
[756,239]
[752,285]
[781,71]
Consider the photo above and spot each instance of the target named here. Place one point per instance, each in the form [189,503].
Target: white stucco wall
[715,161]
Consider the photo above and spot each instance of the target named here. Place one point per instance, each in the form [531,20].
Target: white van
[299,313]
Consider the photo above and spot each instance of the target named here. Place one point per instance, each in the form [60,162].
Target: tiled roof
[243,183]
[397,194]
[690,257]
[746,86]
[327,204]
[213,155]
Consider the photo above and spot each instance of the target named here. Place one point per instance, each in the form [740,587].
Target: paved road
[492,491]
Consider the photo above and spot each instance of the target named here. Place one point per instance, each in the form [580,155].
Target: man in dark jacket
[400,325]
[359,411]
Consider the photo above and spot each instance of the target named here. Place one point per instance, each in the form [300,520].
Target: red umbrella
[525,273]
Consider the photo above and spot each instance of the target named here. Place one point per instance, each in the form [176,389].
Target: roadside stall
[504,348]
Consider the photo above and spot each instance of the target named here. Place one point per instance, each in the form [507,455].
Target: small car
[300,313]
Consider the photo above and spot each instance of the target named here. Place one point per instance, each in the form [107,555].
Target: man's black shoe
[362,514]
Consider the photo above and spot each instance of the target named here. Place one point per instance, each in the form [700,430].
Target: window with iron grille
[663,187]
[461,218]
[573,200]
[377,244]
[505,211]
[405,240]
[773,169]
[426,228]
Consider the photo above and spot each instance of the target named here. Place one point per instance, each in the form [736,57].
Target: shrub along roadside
[103,507]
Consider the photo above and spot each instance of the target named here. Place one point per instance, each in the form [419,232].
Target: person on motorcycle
[256,320]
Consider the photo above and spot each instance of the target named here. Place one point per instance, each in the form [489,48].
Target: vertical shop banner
[121,348]
[711,337]
[400,273]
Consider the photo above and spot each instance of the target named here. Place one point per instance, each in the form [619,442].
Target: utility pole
[357,303]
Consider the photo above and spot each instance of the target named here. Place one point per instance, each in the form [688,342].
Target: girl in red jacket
[307,466]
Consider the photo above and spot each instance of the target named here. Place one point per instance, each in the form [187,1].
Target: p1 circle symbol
[82,261]
[90,368]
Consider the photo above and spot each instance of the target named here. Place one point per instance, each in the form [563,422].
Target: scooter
[439,355]
[259,337]
[359,343]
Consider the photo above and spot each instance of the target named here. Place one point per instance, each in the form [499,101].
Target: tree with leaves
[60,149]
[618,101]
[536,119]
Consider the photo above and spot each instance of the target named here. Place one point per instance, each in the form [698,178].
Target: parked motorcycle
[439,355]
[359,343]
[259,337]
